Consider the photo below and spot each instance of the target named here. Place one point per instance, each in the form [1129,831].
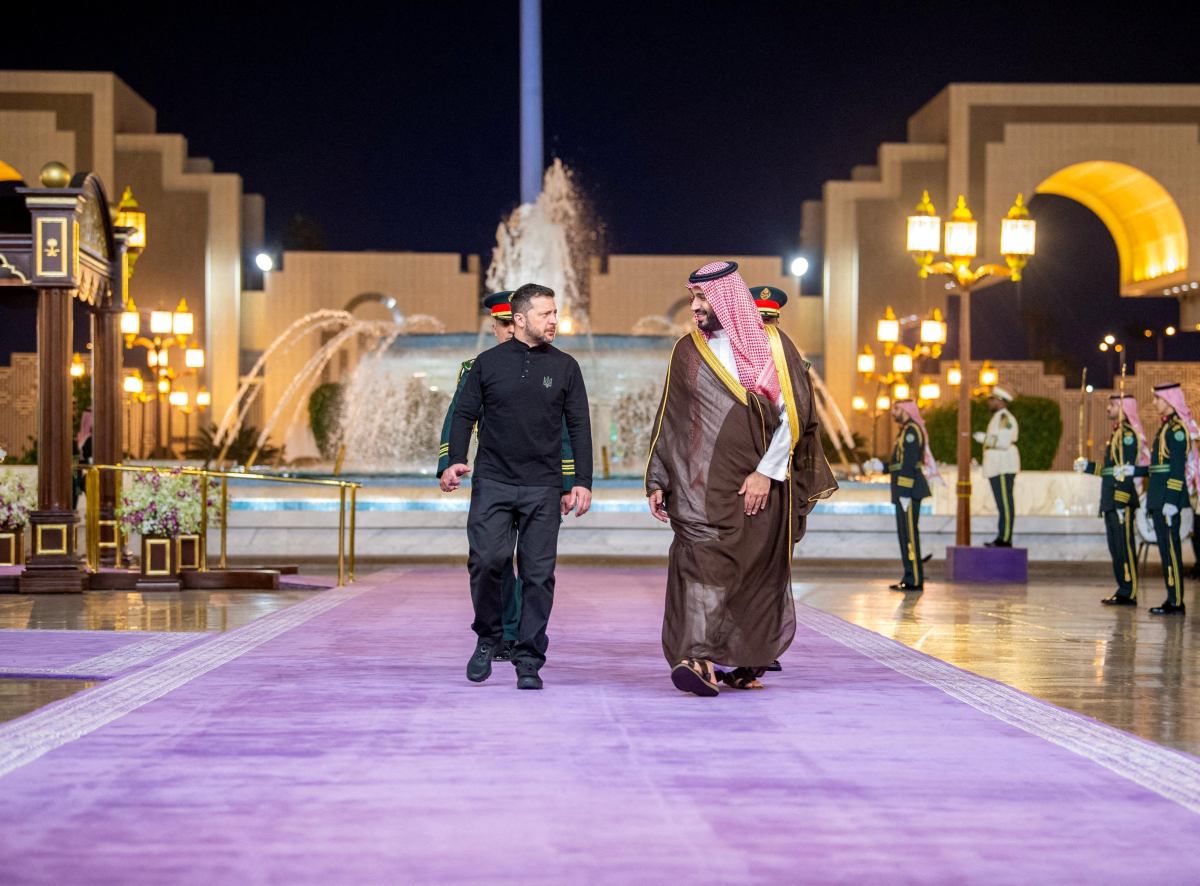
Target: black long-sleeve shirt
[527,392]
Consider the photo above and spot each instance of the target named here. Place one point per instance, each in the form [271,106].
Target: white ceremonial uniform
[774,463]
[1000,453]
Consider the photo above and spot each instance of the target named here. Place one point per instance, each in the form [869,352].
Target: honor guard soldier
[768,300]
[1172,472]
[502,328]
[1119,497]
[911,462]
[1001,461]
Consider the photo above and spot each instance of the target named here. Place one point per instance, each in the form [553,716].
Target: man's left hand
[579,498]
[755,489]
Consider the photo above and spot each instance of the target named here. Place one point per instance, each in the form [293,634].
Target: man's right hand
[452,477]
[1080,465]
[657,509]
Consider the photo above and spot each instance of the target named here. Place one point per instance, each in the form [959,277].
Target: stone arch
[1143,218]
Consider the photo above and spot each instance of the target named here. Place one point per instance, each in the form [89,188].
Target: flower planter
[187,552]
[160,564]
[12,547]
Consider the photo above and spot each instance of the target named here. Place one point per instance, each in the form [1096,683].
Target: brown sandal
[742,678]
[696,676]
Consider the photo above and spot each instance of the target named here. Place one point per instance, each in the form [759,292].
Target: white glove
[978,436]
[3,454]
[904,503]
[1122,472]
[1080,465]
[873,466]
[1169,512]
[1121,516]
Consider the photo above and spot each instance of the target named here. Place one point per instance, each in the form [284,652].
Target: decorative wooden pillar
[52,566]
[107,374]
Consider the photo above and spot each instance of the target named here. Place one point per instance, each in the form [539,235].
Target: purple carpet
[84,654]
[337,741]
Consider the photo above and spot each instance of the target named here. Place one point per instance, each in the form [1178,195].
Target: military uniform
[908,481]
[1001,464]
[1118,501]
[1167,488]
[510,588]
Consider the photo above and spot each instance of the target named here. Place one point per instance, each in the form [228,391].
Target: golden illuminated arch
[8,174]
[1142,217]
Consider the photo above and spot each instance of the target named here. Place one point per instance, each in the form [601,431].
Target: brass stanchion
[91,489]
[342,537]
[204,522]
[117,558]
[353,511]
[224,519]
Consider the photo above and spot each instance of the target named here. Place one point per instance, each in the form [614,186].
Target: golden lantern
[193,357]
[902,362]
[929,390]
[883,402]
[900,391]
[961,234]
[924,234]
[888,329]
[129,215]
[954,376]
[859,404]
[1018,235]
[178,398]
[182,320]
[133,383]
[164,385]
[131,322]
[203,398]
[866,361]
[160,322]
[933,330]
[77,368]
[988,375]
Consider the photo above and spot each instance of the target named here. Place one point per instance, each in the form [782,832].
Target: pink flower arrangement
[17,499]
[163,503]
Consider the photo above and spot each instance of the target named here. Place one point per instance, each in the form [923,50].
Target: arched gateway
[1130,154]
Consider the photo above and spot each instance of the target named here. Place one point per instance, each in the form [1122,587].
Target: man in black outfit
[527,388]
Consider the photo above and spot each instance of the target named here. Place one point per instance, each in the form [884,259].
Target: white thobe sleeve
[1003,433]
[775,463]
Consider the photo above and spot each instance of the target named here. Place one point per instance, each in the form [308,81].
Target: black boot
[479,667]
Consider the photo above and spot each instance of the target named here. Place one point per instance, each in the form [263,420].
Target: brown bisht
[729,596]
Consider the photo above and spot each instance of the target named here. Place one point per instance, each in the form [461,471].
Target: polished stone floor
[187,611]
[1051,638]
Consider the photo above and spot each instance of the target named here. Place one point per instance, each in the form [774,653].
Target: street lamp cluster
[167,330]
[958,240]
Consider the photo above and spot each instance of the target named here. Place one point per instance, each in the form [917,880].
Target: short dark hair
[524,296]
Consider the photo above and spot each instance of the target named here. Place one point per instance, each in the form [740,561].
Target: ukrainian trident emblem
[547,381]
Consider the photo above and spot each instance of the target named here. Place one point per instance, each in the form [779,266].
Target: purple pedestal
[987,564]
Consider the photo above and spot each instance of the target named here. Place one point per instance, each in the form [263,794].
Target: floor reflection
[1051,639]
[19,697]
[114,611]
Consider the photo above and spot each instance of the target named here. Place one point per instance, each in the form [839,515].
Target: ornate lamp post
[1017,238]
[168,329]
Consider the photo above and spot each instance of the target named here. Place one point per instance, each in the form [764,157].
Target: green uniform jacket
[568,457]
[1168,467]
[908,458]
[1122,450]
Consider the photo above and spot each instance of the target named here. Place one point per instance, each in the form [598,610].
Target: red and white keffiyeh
[734,306]
[1129,409]
[1174,396]
[909,408]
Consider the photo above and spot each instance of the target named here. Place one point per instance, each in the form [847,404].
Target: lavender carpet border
[110,663]
[28,738]
[1168,773]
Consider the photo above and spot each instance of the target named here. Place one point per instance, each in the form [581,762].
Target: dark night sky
[695,127]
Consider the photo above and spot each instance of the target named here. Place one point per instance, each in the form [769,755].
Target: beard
[706,321]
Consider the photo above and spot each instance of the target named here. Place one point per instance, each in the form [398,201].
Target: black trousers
[1002,489]
[1170,550]
[908,531]
[502,516]
[1118,527]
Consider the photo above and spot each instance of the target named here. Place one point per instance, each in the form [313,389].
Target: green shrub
[1039,420]
[324,406]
